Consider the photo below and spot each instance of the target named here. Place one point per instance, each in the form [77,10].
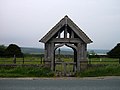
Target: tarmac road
[98,83]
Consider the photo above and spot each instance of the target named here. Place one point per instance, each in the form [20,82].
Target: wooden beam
[66,40]
[57,46]
[71,46]
[65,31]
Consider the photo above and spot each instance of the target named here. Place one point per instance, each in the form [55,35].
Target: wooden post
[59,34]
[23,59]
[65,32]
[85,51]
[14,60]
[89,60]
[72,34]
[59,54]
[82,52]
[52,57]
[78,56]
[41,60]
[46,56]
[64,64]
[75,60]
[119,60]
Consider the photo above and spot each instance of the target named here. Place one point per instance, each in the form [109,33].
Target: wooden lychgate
[67,33]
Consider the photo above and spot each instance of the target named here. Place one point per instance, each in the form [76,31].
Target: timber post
[14,59]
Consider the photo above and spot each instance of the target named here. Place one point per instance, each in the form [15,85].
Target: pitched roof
[71,24]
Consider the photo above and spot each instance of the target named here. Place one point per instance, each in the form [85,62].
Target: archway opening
[64,54]
[64,60]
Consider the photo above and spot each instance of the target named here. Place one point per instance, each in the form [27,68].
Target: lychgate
[66,32]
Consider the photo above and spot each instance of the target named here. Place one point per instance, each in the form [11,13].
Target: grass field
[112,67]
[109,70]
[37,60]
[25,72]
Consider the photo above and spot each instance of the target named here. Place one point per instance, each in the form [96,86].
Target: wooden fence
[41,61]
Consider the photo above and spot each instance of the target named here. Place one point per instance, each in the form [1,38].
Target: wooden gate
[65,68]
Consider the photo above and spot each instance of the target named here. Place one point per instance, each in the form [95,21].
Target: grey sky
[24,22]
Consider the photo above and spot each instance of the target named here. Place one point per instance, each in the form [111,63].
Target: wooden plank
[71,63]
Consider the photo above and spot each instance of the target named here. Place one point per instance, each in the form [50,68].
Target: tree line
[14,50]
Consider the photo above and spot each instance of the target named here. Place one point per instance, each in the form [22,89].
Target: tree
[2,50]
[13,50]
[115,52]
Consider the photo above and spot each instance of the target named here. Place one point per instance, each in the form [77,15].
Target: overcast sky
[24,22]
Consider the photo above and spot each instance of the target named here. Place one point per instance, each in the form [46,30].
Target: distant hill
[98,51]
[28,50]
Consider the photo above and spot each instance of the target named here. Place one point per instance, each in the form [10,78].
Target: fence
[40,60]
[26,60]
[103,61]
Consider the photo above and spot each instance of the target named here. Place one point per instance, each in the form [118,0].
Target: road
[60,84]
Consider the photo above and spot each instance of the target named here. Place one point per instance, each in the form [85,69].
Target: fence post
[89,61]
[119,60]
[23,59]
[64,68]
[41,60]
[14,60]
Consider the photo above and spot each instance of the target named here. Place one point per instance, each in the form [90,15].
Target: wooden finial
[66,16]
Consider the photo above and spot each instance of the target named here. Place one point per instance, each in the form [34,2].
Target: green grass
[37,60]
[25,72]
[112,68]
[109,70]
[104,61]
